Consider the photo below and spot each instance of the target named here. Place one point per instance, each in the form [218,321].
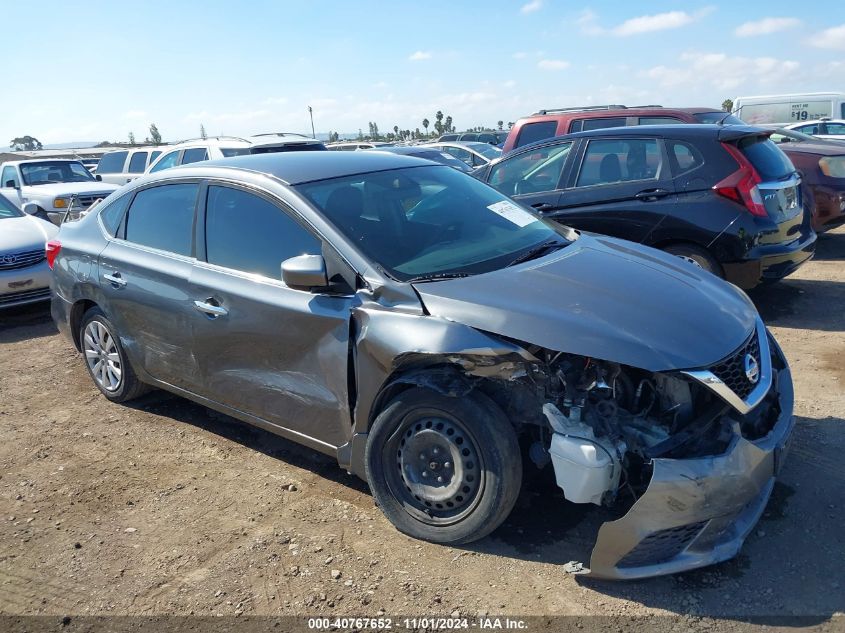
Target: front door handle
[652,194]
[115,279]
[211,308]
[543,206]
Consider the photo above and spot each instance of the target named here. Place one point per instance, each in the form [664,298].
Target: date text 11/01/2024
[426,623]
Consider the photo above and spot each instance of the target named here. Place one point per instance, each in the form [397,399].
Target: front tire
[696,256]
[105,359]
[443,469]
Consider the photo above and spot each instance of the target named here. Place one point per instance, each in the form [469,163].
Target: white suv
[122,166]
[225,146]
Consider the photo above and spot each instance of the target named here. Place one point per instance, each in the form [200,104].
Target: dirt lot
[167,508]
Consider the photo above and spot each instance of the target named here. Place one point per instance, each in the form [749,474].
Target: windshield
[423,221]
[49,172]
[7,209]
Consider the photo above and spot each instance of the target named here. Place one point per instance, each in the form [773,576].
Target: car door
[274,352]
[533,176]
[618,186]
[143,276]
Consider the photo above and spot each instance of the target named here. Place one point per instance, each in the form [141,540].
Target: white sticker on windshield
[512,213]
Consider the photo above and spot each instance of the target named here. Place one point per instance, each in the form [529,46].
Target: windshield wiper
[537,251]
[437,277]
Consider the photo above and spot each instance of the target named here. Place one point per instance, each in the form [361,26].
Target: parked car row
[437,337]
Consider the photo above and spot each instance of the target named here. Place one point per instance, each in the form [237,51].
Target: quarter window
[163,218]
[138,163]
[113,213]
[685,157]
[582,125]
[614,161]
[248,233]
[531,171]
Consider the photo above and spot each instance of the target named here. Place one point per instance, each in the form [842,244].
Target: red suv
[557,122]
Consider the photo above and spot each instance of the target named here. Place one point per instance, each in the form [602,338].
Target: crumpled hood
[68,188]
[607,299]
[26,233]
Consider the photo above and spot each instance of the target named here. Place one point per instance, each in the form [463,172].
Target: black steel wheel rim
[433,467]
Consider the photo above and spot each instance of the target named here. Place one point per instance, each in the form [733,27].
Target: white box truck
[791,108]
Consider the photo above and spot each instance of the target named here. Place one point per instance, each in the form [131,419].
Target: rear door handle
[115,279]
[652,194]
[211,310]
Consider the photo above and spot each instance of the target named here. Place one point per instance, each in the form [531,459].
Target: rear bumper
[60,309]
[771,262]
[697,512]
[24,285]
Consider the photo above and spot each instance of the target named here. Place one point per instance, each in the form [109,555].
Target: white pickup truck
[54,185]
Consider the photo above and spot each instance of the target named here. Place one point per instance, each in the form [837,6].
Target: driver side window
[530,172]
[167,162]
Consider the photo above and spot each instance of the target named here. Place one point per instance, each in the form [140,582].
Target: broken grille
[731,370]
[661,546]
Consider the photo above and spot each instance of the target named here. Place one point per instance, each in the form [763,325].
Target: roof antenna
[722,120]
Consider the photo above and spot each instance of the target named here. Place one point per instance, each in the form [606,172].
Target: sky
[99,70]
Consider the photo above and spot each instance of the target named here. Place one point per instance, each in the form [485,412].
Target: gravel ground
[165,507]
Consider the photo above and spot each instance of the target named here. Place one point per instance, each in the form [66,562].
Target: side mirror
[10,184]
[99,177]
[305,272]
[30,208]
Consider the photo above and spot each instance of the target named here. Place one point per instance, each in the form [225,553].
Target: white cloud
[531,7]
[420,55]
[832,38]
[553,64]
[722,72]
[589,24]
[766,26]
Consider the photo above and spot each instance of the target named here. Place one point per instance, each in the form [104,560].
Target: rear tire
[106,360]
[697,256]
[446,470]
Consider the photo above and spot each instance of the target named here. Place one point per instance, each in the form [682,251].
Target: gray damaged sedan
[437,339]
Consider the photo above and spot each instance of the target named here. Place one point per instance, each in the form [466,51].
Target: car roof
[689,130]
[298,167]
[42,160]
[603,112]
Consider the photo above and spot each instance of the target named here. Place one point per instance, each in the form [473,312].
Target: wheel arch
[77,311]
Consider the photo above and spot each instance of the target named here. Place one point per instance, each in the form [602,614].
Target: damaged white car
[437,338]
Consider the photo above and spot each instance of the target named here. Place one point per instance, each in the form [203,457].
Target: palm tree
[425,125]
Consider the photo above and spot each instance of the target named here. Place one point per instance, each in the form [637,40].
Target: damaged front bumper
[696,512]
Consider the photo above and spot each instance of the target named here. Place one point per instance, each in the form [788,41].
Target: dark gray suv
[433,335]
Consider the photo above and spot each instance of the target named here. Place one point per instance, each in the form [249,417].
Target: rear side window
[659,120]
[532,132]
[768,159]
[234,151]
[616,161]
[112,215]
[138,163]
[112,163]
[835,128]
[583,125]
[531,171]
[684,157]
[163,218]
[194,155]
[717,117]
[246,232]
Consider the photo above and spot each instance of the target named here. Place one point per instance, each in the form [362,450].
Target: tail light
[52,250]
[741,186]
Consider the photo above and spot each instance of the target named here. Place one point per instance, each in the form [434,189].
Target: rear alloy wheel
[696,256]
[105,359]
[443,469]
